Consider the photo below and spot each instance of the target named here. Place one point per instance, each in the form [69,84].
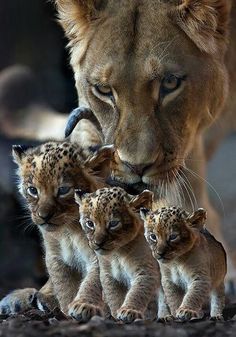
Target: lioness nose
[137,169]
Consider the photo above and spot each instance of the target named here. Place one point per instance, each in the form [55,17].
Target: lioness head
[153,74]
[49,173]
[171,231]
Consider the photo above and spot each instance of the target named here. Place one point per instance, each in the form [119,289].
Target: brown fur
[192,262]
[128,272]
[129,47]
[71,264]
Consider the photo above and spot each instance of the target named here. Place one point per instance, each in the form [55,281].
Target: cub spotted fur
[192,262]
[128,272]
[48,176]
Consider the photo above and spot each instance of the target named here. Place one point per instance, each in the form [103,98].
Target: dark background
[30,36]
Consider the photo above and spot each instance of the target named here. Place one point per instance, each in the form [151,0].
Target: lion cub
[192,262]
[48,176]
[128,272]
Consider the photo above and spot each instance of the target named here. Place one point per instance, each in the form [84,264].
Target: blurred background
[36,86]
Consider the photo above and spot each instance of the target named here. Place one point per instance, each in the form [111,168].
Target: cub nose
[137,169]
[160,255]
[99,243]
[45,216]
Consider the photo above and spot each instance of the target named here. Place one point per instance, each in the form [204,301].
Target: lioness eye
[63,190]
[114,224]
[32,191]
[104,90]
[173,237]
[170,83]
[90,224]
[153,237]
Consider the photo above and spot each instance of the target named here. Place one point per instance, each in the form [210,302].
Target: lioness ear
[76,15]
[198,218]
[204,21]
[144,199]
[99,162]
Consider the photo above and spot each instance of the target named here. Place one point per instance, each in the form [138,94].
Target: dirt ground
[36,324]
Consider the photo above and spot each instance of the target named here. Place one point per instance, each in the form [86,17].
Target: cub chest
[179,277]
[121,273]
[74,255]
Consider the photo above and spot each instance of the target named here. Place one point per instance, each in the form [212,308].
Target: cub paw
[217,318]
[128,315]
[186,314]
[19,300]
[83,312]
[166,319]
[46,303]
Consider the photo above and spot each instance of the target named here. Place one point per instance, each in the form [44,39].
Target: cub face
[108,217]
[171,231]
[49,173]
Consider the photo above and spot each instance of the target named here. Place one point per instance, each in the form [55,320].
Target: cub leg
[174,295]
[137,298]
[114,292]
[217,302]
[196,296]
[88,301]
[163,309]
[66,281]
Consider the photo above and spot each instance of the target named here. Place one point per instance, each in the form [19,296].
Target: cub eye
[63,190]
[170,83]
[90,224]
[153,237]
[114,224]
[173,237]
[32,191]
[104,90]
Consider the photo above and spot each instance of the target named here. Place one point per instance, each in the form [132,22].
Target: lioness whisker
[197,176]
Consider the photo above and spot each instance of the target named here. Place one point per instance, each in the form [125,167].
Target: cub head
[109,217]
[48,175]
[153,74]
[171,231]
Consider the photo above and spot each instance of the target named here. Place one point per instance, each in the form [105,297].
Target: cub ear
[144,199]
[144,212]
[204,21]
[79,196]
[198,218]
[19,152]
[99,162]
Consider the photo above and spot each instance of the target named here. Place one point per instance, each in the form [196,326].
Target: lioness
[154,73]
[192,262]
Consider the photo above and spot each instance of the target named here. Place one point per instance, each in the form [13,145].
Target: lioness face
[151,85]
